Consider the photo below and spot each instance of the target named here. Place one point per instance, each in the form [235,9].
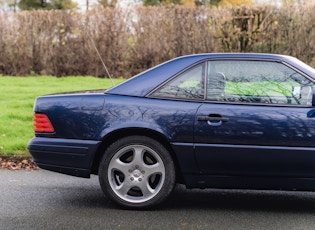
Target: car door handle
[213,120]
[208,118]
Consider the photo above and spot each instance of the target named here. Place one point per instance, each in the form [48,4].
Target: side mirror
[313,98]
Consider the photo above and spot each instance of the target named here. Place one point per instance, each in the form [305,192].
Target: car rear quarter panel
[72,116]
[97,116]
[75,119]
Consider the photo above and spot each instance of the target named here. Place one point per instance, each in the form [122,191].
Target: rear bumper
[67,156]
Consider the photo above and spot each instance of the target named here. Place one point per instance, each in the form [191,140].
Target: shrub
[62,43]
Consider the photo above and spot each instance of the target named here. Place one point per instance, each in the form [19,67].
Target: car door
[257,120]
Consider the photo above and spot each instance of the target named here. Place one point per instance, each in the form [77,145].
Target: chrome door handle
[207,118]
[213,120]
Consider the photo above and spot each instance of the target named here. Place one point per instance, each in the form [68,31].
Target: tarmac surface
[39,199]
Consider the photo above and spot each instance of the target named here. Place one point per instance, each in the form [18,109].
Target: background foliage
[59,42]
[15,5]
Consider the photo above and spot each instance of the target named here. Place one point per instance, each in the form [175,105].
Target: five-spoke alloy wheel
[137,172]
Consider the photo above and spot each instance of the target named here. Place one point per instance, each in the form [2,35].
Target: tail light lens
[42,123]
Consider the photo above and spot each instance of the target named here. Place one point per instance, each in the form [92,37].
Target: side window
[188,85]
[257,82]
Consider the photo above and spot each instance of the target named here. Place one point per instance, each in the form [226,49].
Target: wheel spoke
[154,169]
[145,188]
[124,188]
[120,166]
[138,155]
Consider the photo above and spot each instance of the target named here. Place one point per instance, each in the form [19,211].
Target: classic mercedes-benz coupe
[206,121]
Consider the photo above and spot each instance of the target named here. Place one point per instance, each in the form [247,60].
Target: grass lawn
[17,98]
[262,88]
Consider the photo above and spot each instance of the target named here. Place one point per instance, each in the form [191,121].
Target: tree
[63,4]
[108,3]
[87,4]
[235,2]
[190,3]
[43,4]
[30,4]
[160,2]
[222,2]
[207,2]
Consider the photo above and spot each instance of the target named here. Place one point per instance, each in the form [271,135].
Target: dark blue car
[206,120]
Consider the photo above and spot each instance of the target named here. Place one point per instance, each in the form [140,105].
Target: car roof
[145,82]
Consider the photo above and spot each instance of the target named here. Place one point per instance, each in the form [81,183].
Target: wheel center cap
[136,173]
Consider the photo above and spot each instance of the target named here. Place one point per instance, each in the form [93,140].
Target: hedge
[62,43]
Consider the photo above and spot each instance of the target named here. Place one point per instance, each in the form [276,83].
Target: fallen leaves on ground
[14,164]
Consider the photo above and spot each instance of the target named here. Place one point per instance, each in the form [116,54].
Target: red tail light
[42,124]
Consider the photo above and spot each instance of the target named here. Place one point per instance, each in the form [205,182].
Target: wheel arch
[121,133]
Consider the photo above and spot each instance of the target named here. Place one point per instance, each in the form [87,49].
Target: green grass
[17,98]
[260,88]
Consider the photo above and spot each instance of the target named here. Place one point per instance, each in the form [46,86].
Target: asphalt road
[46,200]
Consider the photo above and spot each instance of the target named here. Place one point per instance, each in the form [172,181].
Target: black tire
[137,172]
